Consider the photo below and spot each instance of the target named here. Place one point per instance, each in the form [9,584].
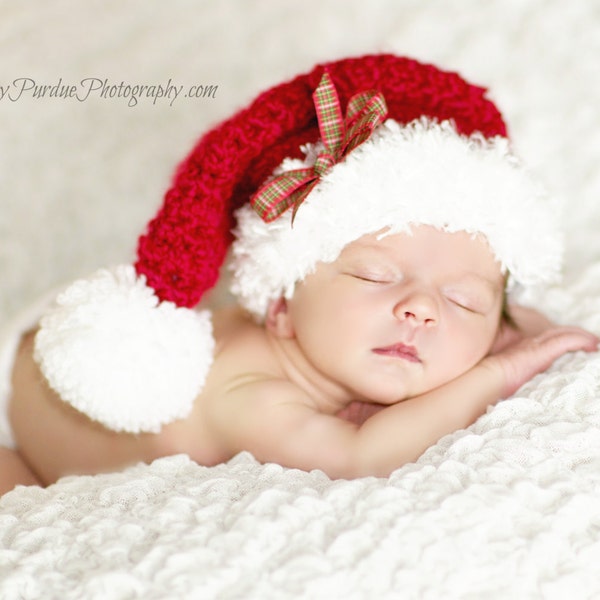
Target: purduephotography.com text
[95,87]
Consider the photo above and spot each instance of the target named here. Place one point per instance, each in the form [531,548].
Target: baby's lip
[399,351]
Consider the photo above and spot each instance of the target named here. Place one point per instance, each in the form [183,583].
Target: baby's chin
[398,389]
[385,395]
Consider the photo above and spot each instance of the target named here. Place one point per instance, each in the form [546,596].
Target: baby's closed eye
[373,272]
[470,300]
[371,277]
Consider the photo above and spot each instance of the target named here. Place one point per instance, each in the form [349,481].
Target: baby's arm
[278,423]
[423,420]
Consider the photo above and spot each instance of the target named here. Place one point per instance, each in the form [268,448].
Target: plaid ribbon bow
[365,111]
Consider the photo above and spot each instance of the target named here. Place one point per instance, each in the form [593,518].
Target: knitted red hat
[123,347]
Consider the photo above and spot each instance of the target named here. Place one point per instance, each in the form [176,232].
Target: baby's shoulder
[239,339]
[242,353]
[245,364]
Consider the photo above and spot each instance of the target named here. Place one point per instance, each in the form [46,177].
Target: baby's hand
[527,356]
[526,322]
[358,412]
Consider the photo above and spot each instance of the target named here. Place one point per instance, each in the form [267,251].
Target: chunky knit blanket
[509,508]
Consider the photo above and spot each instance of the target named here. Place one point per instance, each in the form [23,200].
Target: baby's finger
[569,339]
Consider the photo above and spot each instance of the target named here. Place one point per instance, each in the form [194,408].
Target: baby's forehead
[390,239]
[461,254]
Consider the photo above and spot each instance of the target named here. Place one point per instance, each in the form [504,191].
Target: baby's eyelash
[464,304]
[370,278]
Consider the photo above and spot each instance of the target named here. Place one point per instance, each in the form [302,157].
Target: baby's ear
[278,320]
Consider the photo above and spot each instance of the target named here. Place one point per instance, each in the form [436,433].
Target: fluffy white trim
[421,173]
[112,350]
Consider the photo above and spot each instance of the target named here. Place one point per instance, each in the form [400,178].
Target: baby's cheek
[482,339]
[470,344]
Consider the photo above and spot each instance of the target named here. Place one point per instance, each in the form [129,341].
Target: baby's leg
[10,337]
[14,471]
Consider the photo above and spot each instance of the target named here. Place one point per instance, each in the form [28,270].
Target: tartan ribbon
[364,112]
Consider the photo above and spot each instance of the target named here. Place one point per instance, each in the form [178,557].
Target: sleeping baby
[374,255]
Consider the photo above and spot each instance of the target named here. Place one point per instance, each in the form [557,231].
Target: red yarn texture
[185,244]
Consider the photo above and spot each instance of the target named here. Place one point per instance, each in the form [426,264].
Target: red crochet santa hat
[417,145]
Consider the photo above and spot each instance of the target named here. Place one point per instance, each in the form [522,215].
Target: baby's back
[57,440]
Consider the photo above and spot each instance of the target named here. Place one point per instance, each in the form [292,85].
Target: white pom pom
[112,350]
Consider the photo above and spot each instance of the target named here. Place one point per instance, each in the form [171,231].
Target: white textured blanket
[509,508]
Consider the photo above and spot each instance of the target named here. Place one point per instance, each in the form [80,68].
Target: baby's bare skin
[60,441]
[56,440]
[272,390]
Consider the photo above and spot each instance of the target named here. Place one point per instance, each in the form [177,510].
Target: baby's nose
[417,308]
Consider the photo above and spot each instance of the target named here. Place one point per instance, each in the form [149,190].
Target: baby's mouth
[403,351]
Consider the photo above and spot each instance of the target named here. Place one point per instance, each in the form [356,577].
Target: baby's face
[396,317]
